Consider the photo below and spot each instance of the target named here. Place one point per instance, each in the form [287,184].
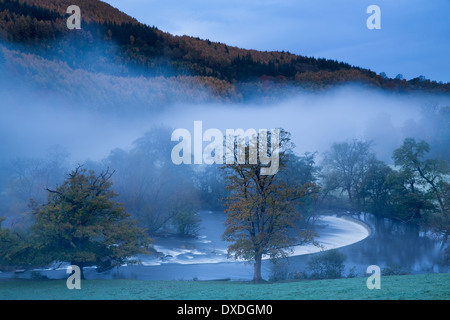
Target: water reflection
[392,244]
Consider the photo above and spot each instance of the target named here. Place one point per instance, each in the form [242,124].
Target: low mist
[317,120]
[28,128]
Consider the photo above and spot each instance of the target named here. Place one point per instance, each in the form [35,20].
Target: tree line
[104,213]
[414,189]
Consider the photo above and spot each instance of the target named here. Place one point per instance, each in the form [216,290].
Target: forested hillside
[112,43]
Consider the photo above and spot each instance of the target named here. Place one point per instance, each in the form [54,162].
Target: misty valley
[181,206]
[131,153]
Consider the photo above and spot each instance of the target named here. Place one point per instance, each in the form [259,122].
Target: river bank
[413,287]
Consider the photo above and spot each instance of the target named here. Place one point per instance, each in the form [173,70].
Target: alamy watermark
[374,20]
[238,143]
[74,280]
[74,21]
[374,281]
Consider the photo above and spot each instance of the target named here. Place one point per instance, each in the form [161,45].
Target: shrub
[352,273]
[393,270]
[297,275]
[37,275]
[278,270]
[327,265]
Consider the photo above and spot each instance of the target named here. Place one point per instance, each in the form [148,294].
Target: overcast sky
[414,38]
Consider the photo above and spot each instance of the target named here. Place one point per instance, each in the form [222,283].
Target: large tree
[159,194]
[429,173]
[82,224]
[15,250]
[347,163]
[261,209]
[392,193]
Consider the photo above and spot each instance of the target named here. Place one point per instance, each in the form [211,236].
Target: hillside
[114,44]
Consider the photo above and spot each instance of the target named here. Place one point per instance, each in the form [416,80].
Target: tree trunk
[444,241]
[81,266]
[257,268]
[350,196]
[435,190]
[82,273]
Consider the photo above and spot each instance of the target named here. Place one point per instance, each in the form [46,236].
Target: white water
[333,232]
[338,232]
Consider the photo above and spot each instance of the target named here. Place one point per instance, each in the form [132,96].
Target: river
[364,239]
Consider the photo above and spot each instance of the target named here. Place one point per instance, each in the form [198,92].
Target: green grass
[421,287]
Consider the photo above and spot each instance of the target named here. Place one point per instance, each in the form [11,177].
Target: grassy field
[425,286]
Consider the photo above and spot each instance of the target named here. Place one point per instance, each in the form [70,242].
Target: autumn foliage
[138,49]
